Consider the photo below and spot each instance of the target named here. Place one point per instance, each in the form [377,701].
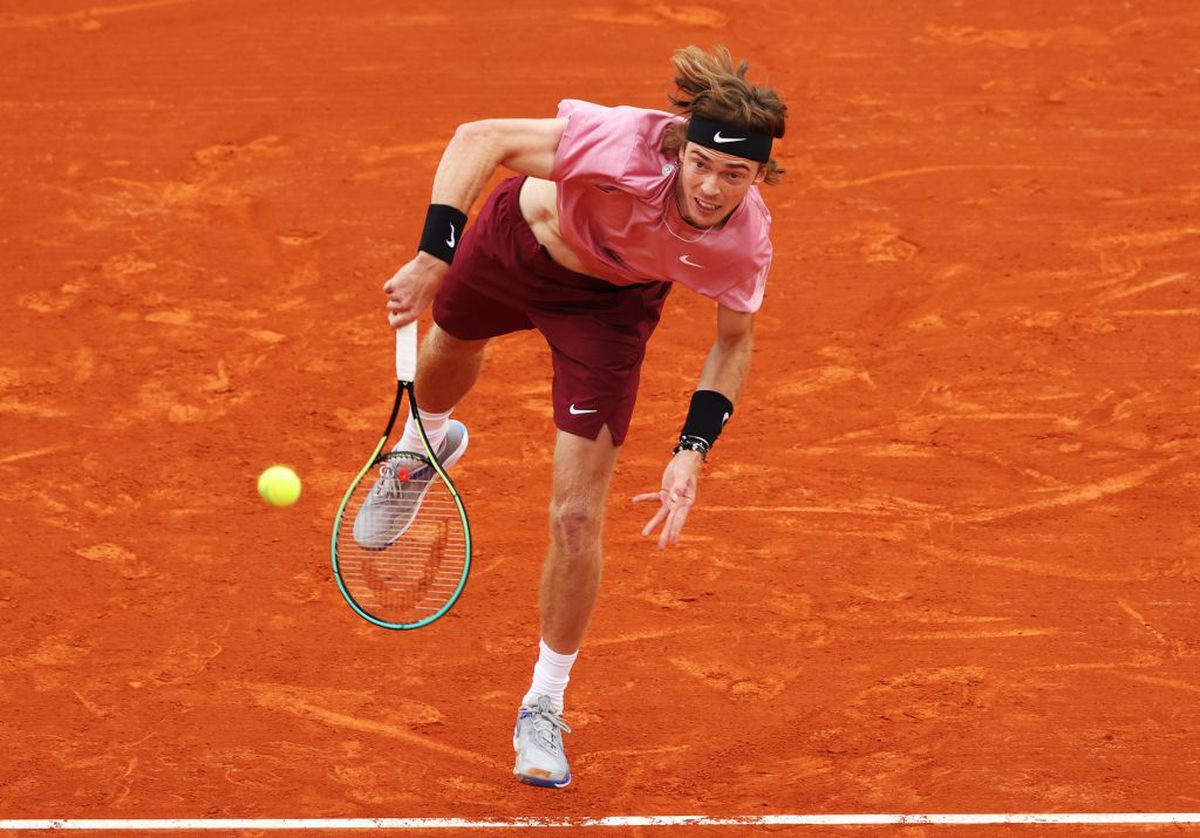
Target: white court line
[25,455]
[1097,819]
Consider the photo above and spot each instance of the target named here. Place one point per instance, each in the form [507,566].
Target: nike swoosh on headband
[737,140]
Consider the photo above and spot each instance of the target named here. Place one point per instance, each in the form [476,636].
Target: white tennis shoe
[537,739]
[393,502]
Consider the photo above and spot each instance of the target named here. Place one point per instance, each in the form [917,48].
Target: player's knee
[575,522]
[442,343]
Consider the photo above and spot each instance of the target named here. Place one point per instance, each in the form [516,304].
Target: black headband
[721,136]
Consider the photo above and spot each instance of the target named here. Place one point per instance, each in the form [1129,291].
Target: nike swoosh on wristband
[685,260]
[575,411]
[717,138]
[450,241]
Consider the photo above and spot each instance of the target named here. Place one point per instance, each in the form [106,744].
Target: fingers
[675,524]
[675,499]
[671,515]
[673,527]
[662,513]
[659,515]
[405,297]
[402,311]
[664,535]
[399,314]
[396,319]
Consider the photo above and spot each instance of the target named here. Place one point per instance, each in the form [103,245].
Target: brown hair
[708,84]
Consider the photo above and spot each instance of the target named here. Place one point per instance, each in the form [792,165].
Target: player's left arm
[728,360]
[725,371]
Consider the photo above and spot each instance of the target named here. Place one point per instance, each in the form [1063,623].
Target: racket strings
[416,560]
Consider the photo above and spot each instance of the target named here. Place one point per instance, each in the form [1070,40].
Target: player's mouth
[705,207]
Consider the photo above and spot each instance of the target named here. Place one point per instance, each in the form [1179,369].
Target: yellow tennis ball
[279,486]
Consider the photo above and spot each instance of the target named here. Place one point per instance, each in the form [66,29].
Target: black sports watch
[693,443]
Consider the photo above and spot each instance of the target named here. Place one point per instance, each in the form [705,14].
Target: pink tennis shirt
[617,210]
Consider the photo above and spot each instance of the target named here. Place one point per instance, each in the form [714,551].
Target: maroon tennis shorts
[503,280]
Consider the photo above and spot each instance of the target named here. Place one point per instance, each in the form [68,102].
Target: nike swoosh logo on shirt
[717,138]
[575,411]
[686,261]
[450,241]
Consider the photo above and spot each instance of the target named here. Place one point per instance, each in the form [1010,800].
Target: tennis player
[611,207]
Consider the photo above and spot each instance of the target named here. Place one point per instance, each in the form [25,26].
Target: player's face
[711,184]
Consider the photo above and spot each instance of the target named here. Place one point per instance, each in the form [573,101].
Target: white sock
[550,676]
[435,428]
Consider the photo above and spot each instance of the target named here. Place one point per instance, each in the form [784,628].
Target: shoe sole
[540,782]
[545,784]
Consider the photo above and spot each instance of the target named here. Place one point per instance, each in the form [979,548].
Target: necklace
[673,204]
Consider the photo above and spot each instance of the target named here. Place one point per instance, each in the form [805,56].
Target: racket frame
[406,338]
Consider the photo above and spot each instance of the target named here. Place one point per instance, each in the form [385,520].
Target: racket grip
[406,352]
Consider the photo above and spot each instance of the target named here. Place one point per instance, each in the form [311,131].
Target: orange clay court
[946,558]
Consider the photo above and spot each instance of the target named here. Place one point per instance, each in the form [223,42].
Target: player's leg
[482,296]
[570,582]
[447,369]
[597,336]
[476,301]
[571,573]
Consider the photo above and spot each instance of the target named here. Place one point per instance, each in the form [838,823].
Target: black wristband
[707,415]
[443,231]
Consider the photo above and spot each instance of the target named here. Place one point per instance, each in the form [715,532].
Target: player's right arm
[526,146]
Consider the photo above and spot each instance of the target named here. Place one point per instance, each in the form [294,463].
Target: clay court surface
[945,558]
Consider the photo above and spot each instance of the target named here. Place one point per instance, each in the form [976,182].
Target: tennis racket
[401,542]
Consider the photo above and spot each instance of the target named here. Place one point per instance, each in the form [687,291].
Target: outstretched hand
[676,497]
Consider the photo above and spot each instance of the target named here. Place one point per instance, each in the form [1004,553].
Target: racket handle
[406,352]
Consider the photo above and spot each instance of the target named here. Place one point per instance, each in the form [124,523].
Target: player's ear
[762,174]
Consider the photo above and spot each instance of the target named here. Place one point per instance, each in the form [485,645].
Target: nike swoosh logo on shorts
[686,261]
[575,411]
[717,138]
[450,241]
